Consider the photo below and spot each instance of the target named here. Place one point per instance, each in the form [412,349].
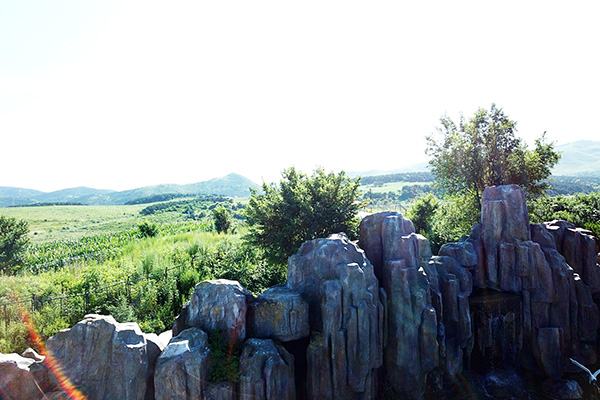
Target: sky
[123,94]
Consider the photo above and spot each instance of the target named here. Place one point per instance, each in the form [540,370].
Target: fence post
[5,319]
[166,273]
[33,305]
[86,299]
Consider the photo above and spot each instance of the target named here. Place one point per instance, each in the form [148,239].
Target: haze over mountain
[232,185]
[581,158]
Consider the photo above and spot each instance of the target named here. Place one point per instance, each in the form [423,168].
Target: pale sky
[122,94]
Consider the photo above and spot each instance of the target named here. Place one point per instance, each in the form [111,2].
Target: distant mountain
[232,185]
[581,158]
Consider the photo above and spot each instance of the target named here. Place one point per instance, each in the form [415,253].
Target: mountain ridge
[232,185]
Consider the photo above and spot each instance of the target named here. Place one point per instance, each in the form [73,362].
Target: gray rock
[463,252]
[181,370]
[22,378]
[103,358]
[266,372]
[346,317]
[412,325]
[216,304]
[562,389]
[219,391]
[31,353]
[279,313]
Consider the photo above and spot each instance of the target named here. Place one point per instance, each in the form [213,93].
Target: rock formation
[346,318]
[505,306]
[103,358]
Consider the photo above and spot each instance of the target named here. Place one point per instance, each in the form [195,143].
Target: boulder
[279,313]
[22,378]
[103,358]
[463,252]
[181,370]
[220,391]
[562,389]
[216,304]
[266,372]
[337,281]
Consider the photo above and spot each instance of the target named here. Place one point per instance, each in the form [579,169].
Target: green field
[394,187]
[71,222]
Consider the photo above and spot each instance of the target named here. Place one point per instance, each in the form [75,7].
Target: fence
[11,310]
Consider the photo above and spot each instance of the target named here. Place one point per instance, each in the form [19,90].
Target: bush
[148,229]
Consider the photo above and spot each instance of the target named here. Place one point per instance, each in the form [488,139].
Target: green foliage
[148,229]
[454,218]
[583,210]
[225,358]
[422,212]
[222,219]
[299,209]
[13,243]
[484,151]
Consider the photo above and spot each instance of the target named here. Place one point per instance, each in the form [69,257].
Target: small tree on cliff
[299,209]
[484,151]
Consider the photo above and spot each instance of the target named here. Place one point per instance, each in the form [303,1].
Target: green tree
[13,243]
[422,212]
[484,151]
[222,219]
[299,209]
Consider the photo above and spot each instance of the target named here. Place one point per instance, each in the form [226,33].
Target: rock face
[216,304]
[266,372]
[280,314]
[103,358]
[555,314]
[346,318]
[392,246]
[181,369]
[22,378]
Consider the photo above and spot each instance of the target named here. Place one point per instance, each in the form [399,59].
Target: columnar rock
[346,317]
[412,327]
[216,304]
[579,249]
[103,358]
[266,372]
[553,299]
[451,285]
[279,313]
[181,369]
[22,378]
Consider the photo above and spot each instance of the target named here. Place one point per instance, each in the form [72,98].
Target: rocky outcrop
[392,246]
[216,304]
[545,324]
[103,358]
[280,314]
[266,372]
[181,369]
[346,318]
[23,377]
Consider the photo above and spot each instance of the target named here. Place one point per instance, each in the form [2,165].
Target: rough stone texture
[451,285]
[219,391]
[266,372]
[412,325]
[279,313]
[562,389]
[346,317]
[103,358]
[216,304]
[463,252]
[181,369]
[578,246]
[556,313]
[22,378]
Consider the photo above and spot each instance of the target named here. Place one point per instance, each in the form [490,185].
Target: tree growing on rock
[299,209]
[484,151]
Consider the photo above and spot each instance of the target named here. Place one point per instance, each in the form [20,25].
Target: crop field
[394,187]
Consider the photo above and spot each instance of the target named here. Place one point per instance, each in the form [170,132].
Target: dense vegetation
[299,209]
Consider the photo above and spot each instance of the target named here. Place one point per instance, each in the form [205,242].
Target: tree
[13,242]
[421,213]
[484,151]
[222,219]
[299,209]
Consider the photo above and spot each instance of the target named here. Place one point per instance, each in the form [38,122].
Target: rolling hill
[581,158]
[232,185]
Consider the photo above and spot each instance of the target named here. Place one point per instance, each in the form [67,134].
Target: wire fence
[10,309]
